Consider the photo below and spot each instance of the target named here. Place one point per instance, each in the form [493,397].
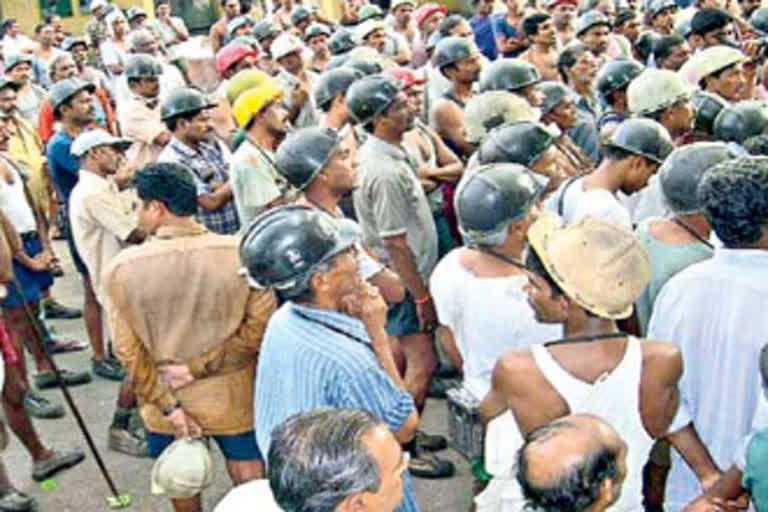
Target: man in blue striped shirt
[327,346]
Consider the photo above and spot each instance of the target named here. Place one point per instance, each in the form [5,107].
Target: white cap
[98,3]
[183,470]
[285,44]
[94,138]
[397,3]
[365,28]
[710,60]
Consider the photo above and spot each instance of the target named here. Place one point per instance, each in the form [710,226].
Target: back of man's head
[318,459]
[170,184]
[574,464]
[708,19]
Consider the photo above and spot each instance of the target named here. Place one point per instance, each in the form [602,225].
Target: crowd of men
[291,229]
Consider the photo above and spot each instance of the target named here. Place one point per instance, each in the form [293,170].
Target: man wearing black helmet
[612,82]
[176,367]
[631,156]
[478,288]
[593,29]
[186,114]
[316,36]
[458,60]
[398,225]
[330,331]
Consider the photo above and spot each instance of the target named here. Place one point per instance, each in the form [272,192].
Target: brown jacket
[180,298]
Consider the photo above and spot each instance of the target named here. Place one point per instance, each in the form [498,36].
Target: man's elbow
[407,431]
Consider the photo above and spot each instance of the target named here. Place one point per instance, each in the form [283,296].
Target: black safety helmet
[316,29]
[342,41]
[740,121]
[616,74]
[554,92]
[451,50]
[183,101]
[304,153]
[707,105]
[337,61]
[370,96]
[299,14]
[591,19]
[644,137]
[759,20]
[365,66]
[508,75]
[333,83]
[521,143]
[264,30]
[283,247]
[141,65]
[493,197]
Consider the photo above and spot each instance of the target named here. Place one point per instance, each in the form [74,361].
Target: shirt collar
[753,257]
[189,229]
[337,320]
[382,146]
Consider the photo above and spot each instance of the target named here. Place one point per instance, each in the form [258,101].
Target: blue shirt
[501,27]
[304,364]
[484,37]
[207,164]
[63,165]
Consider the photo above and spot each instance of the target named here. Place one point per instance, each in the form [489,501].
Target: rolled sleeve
[373,391]
[390,205]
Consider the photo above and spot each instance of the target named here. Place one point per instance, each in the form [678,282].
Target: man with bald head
[577,463]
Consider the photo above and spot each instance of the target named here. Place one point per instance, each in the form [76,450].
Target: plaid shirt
[208,163]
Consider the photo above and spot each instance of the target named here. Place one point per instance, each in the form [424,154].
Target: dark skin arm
[216,199]
[449,119]
[405,266]
[449,167]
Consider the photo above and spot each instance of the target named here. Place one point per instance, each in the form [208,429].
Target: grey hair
[317,459]
[734,195]
[55,62]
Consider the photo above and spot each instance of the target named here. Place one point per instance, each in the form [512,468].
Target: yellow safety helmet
[244,80]
[252,101]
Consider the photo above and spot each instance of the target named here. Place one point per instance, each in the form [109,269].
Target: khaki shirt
[180,298]
[102,218]
[26,148]
[142,125]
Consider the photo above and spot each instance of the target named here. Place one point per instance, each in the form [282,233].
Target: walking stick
[117,500]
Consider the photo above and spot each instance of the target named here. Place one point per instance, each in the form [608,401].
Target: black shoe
[429,442]
[108,370]
[47,380]
[55,311]
[439,386]
[426,465]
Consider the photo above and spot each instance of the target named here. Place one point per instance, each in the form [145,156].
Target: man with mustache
[186,114]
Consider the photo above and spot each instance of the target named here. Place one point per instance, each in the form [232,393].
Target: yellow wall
[29,15]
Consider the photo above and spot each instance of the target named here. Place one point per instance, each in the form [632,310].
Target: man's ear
[696,41]
[354,503]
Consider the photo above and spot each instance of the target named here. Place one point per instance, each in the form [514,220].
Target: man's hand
[176,376]
[41,262]
[300,95]
[706,504]
[367,305]
[185,426]
[427,315]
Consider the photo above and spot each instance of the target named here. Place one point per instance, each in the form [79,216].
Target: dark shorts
[235,447]
[33,283]
[402,318]
[76,259]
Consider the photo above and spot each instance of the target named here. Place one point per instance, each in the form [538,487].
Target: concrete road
[83,490]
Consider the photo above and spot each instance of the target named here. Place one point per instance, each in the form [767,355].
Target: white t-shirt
[487,315]
[577,203]
[254,495]
[14,204]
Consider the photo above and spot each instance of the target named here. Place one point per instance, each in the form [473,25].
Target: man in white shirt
[479,289]
[102,222]
[632,155]
[714,311]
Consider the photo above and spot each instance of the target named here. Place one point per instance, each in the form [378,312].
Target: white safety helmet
[656,89]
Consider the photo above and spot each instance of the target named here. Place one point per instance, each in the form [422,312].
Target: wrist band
[423,300]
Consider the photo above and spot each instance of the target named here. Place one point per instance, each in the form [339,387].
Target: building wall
[29,14]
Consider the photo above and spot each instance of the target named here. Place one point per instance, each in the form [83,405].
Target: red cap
[554,3]
[233,53]
[427,10]
[405,76]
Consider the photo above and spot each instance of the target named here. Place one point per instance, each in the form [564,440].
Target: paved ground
[82,489]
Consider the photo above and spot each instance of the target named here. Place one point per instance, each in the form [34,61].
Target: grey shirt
[391,202]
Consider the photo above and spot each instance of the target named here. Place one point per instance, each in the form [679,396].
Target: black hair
[664,46]
[535,265]
[734,195]
[714,74]
[39,28]
[709,19]
[171,184]
[568,58]
[616,153]
[531,23]
[578,488]
[158,3]
[49,18]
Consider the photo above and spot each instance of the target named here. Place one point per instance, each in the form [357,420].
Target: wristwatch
[168,410]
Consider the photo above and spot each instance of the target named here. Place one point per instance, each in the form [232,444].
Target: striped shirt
[319,358]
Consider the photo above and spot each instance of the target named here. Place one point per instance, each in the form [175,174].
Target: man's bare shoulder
[514,368]
[662,356]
